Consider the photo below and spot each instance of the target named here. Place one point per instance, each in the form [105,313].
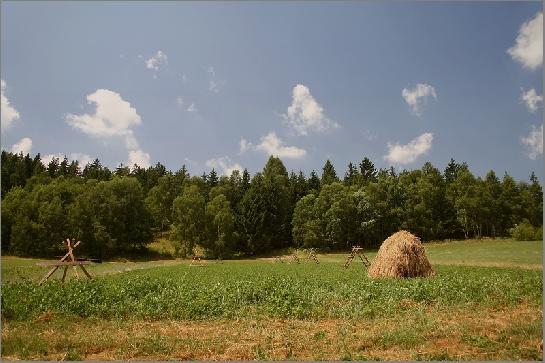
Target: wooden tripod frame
[72,262]
[356,250]
[196,262]
[312,255]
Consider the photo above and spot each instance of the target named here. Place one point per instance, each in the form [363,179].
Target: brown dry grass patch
[418,332]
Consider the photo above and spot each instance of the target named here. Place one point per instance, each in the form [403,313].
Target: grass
[262,309]
[234,290]
[422,334]
[488,252]
[484,252]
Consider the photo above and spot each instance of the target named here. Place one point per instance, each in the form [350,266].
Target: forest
[120,211]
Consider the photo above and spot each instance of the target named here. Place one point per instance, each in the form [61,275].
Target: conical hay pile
[401,255]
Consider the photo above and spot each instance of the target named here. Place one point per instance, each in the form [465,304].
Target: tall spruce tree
[352,175]
[328,174]
[313,183]
[368,171]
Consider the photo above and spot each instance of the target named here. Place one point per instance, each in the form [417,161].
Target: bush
[524,231]
[539,234]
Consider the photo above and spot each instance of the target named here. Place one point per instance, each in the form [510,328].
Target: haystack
[401,255]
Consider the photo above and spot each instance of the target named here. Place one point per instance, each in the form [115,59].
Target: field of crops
[293,311]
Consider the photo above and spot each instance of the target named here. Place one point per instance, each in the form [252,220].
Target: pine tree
[329,175]
[535,205]
[451,171]
[63,167]
[368,171]
[212,179]
[352,175]
[122,170]
[53,168]
[73,168]
[313,183]
[245,180]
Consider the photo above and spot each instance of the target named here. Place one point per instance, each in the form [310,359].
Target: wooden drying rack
[72,262]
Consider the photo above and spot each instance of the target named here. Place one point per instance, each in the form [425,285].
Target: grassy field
[485,303]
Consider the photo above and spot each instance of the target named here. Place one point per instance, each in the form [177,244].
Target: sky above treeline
[226,84]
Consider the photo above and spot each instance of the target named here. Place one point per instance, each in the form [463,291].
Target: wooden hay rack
[356,250]
[71,245]
[312,255]
[293,257]
[196,262]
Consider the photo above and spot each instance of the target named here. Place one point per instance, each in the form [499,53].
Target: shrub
[524,231]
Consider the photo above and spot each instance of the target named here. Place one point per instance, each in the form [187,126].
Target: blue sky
[226,84]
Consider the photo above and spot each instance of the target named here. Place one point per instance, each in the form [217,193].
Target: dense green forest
[119,211]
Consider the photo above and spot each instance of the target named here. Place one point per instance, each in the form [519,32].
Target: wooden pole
[64,273]
[62,259]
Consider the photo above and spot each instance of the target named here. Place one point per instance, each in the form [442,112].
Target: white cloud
[405,154]
[534,142]
[272,145]
[139,158]
[417,97]
[179,101]
[113,117]
[23,146]
[191,108]
[184,78]
[46,159]
[531,99]
[8,113]
[224,165]
[157,60]
[305,113]
[83,159]
[528,48]
[244,145]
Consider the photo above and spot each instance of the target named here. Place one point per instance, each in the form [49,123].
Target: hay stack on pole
[401,255]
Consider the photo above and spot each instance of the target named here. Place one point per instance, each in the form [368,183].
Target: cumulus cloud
[156,61]
[305,114]
[113,117]
[8,114]
[531,99]
[417,97]
[139,158]
[405,154]
[83,159]
[244,145]
[23,146]
[46,159]
[534,142]
[224,165]
[528,48]
[272,145]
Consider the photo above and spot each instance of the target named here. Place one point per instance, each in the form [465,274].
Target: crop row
[232,290]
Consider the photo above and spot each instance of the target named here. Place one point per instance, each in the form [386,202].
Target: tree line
[121,210]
